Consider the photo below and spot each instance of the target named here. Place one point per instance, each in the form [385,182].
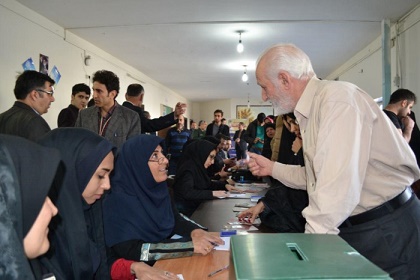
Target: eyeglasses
[47,92]
[160,160]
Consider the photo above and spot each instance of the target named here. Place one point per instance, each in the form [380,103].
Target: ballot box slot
[297,252]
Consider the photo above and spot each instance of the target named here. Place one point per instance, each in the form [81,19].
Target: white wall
[26,34]
[205,110]
[365,68]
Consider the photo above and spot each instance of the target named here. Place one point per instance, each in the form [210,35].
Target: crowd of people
[90,199]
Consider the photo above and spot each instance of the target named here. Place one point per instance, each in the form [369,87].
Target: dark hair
[200,122]
[261,117]
[109,79]
[28,81]
[80,88]
[221,136]
[211,139]
[91,102]
[146,114]
[267,125]
[135,90]
[402,94]
[290,115]
[192,121]
[218,111]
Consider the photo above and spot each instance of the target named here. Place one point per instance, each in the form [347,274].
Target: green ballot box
[299,256]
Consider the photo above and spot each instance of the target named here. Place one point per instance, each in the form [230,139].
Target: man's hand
[408,122]
[180,109]
[259,165]
[408,128]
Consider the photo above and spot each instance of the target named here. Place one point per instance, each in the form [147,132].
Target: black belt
[380,211]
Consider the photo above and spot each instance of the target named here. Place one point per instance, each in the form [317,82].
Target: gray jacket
[123,124]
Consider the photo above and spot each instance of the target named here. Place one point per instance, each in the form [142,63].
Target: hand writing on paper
[204,242]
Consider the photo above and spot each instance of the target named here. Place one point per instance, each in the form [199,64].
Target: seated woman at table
[281,208]
[77,235]
[192,183]
[27,171]
[139,217]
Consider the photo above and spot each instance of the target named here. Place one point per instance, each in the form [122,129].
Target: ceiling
[190,45]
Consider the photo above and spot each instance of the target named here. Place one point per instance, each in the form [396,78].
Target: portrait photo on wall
[251,112]
[43,64]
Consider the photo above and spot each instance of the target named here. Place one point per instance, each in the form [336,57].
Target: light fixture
[87,60]
[240,46]
[244,76]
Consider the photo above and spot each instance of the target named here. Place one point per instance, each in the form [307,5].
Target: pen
[217,271]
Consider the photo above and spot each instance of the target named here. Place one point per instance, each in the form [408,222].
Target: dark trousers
[392,242]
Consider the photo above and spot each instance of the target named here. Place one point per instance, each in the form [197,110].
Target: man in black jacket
[34,94]
[80,94]
[134,97]
[217,126]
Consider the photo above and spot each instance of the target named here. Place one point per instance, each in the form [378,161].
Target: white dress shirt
[355,159]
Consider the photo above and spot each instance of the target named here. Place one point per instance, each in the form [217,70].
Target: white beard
[282,107]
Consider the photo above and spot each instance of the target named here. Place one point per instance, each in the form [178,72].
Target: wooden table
[213,214]
[198,267]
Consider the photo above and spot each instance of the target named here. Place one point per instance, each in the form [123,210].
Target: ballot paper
[251,187]
[224,247]
[239,195]
[236,195]
[239,209]
[245,204]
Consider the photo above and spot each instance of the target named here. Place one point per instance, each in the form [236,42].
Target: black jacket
[68,116]
[21,120]
[223,129]
[153,124]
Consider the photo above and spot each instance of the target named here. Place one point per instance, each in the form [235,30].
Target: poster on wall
[43,64]
[28,65]
[234,123]
[55,74]
[250,113]
[164,110]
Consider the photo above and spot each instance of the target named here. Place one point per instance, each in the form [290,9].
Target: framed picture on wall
[164,110]
[250,113]
[234,123]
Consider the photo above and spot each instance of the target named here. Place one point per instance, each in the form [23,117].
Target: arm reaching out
[259,165]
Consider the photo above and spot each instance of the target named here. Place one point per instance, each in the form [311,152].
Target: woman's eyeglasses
[160,160]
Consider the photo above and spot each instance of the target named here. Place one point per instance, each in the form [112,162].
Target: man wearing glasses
[34,93]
